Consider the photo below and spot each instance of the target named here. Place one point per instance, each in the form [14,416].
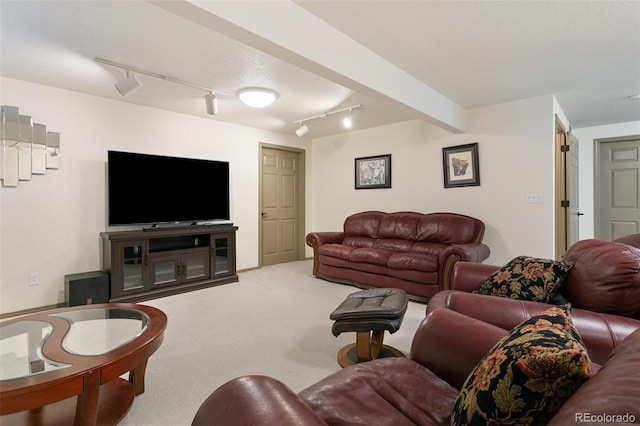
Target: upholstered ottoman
[369,313]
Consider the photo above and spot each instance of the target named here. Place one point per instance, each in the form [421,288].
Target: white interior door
[617,188]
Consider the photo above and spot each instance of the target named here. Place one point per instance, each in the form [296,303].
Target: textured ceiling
[473,53]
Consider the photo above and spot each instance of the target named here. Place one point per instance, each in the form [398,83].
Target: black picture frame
[461,166]
[373,172]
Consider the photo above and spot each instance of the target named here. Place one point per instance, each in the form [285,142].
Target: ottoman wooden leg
[368,344]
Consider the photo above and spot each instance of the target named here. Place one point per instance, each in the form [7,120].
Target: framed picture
[373,172]
[461,166]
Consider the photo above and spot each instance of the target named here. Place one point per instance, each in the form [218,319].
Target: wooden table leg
[87,405]
[368,344]
[136,378]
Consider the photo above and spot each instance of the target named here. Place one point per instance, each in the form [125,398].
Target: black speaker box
[86,289]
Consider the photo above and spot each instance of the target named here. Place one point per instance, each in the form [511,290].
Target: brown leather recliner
[605,277]
[631,239]
[423,388]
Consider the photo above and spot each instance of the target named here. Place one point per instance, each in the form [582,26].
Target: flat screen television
[152,189]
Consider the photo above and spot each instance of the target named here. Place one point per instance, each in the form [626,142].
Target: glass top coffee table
[49,357]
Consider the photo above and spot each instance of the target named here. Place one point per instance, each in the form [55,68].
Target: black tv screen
[154,189]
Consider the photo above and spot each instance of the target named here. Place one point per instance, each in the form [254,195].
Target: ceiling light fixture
[302,130]
[211,103]
[347,121]
[129,84]
[257,97]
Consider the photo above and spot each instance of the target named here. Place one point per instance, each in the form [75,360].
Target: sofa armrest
[316,239]
[451,344]
[254,400]
[472,252]
[468,276]
[601,333]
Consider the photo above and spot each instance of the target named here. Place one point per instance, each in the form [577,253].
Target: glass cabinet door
[195,266]
[165,270]
[133,265]
[220,255]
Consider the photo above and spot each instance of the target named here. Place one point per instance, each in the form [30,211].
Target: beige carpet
[274,322]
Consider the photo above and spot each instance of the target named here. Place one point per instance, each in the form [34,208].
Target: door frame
[301,197]
[562,136]
[597,175]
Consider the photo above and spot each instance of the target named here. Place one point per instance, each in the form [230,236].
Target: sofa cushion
[339,251]
[413,261]
[363,224]
[449,228]
[434,249]
[400,225]
[359,241]
[382,392]
[527,278]
[394,244]
[528,374]
[370,255]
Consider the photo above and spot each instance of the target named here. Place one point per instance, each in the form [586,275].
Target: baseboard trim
[31,311]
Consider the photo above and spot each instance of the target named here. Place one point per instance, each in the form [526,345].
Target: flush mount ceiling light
[257,97]
[128,84]
[131,83]
[346,121]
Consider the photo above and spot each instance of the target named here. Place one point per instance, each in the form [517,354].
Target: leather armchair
[423,388]
[632,240]
[605,277]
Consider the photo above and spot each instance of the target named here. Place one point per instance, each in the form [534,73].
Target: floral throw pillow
[528,278]
[527,376]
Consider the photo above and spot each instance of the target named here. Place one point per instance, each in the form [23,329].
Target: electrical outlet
[34,278]
[533,197]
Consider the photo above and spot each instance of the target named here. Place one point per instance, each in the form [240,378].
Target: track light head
[211,102]
[347,121]
[128,84]
[302,130]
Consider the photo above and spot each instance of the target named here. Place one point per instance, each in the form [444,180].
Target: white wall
[586,137]
[51,224]
[516,152]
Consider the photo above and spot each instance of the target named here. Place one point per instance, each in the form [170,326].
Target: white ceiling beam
[289,32]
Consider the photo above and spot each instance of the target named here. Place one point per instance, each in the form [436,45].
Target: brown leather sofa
[605,277]
[423,388]
[410,251]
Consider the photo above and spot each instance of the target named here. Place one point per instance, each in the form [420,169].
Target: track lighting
[212,103]
[128,84]
[257,97]
[302,130]
[131,83]
[346,121]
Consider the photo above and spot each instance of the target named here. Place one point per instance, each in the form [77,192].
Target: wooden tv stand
[146,264]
